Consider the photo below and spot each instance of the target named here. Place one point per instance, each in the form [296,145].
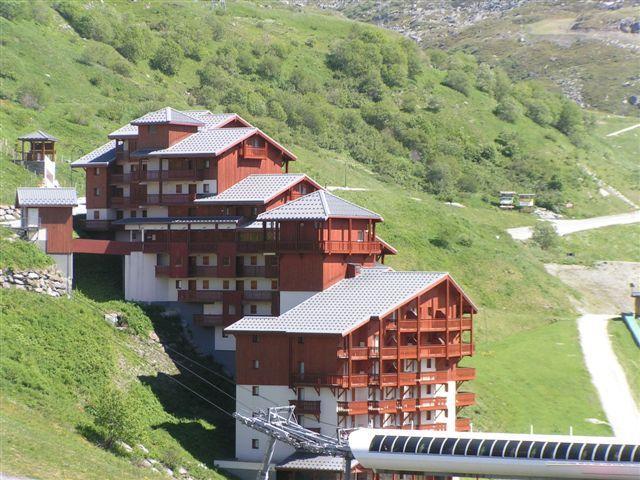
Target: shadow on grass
[99,277]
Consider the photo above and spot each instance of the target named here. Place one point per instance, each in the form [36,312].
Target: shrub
[12,9]
[167,58]
[459,81]
[134,43]
[435,104]
[303,82]
[270,67]
[544,235]
[117,418]
[570,119]
[32,94]
[508,110]
[485,79]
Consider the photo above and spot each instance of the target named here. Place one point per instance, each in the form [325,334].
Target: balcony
[353,408]
[163,270]
[251,271]
[120,177]
[407,404]
[257,246]
[430,325]
[430,378]
[463,424]
[432,403]
[155,247]
[464,399]
[463,374]
[395,379]
[203,271]
[97,225]
[254,152]
[208,320]
[319,380]
[367,248]
[383,406]
[120,201]
[168,199]
[199,296]
[203,247]
[306,407]
[258,295]
[356,353]
[439,427]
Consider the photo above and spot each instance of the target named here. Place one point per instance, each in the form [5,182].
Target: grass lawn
[628,354]
[16,254]
[535,378]
[615,243]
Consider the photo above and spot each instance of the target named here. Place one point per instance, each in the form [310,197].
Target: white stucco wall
[140,282]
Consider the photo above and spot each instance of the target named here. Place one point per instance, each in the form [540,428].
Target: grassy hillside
[441,124]
[628,355]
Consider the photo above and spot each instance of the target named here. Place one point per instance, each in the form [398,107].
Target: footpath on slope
[565,227]
[604,289]
[618,132]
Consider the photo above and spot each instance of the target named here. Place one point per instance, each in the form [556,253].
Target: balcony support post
[349,344]
[398,348]
[447,315]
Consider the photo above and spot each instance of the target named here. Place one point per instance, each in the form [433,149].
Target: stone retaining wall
[48,281]
[8,212]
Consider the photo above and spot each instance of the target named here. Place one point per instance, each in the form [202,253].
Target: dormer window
[255,142]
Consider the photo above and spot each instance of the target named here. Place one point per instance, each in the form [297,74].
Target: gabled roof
[38,135]
[347,305]
[216,120]
[257,189]
[207,142]
[46,197]
[100,157]
[127,131]
[319,205]
[165,116]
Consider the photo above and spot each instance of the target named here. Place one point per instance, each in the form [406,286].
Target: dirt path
[615,134]
[608,377]
[565,227]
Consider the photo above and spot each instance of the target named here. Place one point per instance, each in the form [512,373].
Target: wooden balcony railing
[353,408]
[208,320]
[463,424]
[433,377]
[163,270]
[407,404]
[432,403]
[393,379]
[97,224]
[258,295]
[254,247]
[463,374]
[254,152]
[168,198]
[383,406]
[319,380]
[440,427]
[203,247]
[306,407]
[368,248]
[251,271]
[155,247]
[464,399]
[199,296]
[120,201]
[203,271]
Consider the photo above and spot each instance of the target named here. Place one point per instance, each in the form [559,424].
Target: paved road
[565,227]
[608,377]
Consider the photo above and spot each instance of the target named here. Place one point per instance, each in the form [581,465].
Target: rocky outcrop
[8,213]
[49,281]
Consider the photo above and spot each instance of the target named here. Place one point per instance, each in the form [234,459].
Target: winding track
[607,376]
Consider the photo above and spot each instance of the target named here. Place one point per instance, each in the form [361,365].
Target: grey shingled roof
[310,461]
[207,142]
[346,305]
[256,189]
[165,220]
[167,115]
[126,131]
[101,156]
[214,120]
[46,197]
[38,135]
[319,205]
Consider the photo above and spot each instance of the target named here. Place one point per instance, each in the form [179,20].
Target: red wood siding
[96,181]
[164,135]
[301,273]
[58,221]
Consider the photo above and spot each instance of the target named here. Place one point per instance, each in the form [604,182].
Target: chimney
[353,270]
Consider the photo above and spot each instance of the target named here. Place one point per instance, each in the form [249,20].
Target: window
[253,309]
[206,164]
[256,364]
[561,451]
[423,446]
[255,338]
[387,443]
[548,450]
[205,260]
[205,188]
[254,284]
[472,449]
[224,334]
[574,451]
[205,284]
[447,447]
[144,214]
[300,340]
[255,444]
[302,189]
[601,453]
[255,391]
[274,284]
[134,235]
[523,449]
[625,455]
[226,261]
[96,172]
[179,188]
[461,446]
[536,450]
[225,284]
[133,214]
[253,260]
[361,235]
[375,443]
[410,447]
[254,211]
[96,215]
[436,444]
[485,448]
[119,214]
[96,192]
[178,284]
[398,446]
[511,448]
[498,447]
[614,453]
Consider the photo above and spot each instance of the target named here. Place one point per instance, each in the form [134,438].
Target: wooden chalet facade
[281,281]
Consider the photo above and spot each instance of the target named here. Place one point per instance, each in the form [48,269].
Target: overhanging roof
[348,304]
[38,135]
[319,205]
[167,115]
[100,157]
[46,197]
[257,189]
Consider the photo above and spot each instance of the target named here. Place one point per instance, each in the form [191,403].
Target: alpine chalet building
[281,281]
